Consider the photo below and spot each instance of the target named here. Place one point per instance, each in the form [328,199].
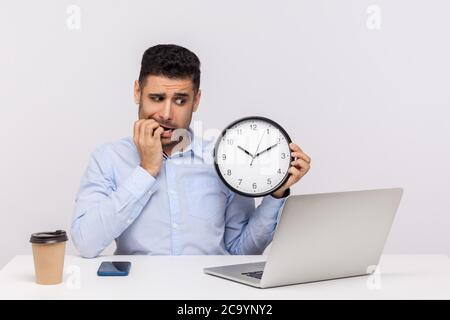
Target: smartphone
[114,268]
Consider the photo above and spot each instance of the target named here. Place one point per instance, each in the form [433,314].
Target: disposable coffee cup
[48,255]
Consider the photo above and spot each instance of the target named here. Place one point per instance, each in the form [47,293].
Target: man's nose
[166,112]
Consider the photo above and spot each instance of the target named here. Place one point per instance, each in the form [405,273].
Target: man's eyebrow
[156,94]
[176,94]
[181,94]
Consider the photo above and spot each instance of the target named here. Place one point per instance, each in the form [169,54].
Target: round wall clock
[252,156]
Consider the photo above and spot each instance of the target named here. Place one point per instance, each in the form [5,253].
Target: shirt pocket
[205,198]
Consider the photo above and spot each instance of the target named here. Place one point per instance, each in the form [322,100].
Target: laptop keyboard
[254,274]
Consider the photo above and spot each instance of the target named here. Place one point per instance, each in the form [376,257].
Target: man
[142,193]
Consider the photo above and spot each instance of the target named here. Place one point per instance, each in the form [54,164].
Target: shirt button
[174,225]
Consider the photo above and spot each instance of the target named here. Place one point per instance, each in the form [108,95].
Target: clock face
[252,156]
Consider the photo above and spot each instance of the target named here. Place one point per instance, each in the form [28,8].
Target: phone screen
[114,268]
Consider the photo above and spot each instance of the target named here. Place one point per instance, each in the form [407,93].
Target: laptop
[322,237]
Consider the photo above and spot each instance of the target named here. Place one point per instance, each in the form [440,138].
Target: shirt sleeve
[103,210]
[249,230]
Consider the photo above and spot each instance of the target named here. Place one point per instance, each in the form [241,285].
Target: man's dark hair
[171,61]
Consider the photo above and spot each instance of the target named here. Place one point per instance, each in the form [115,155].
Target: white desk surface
[182,277]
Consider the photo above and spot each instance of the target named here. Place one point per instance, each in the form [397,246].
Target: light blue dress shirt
[185,210]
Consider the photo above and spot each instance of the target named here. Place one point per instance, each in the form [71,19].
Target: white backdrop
[362,86]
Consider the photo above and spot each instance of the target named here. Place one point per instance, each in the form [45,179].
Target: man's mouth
[166,128]
[167,133]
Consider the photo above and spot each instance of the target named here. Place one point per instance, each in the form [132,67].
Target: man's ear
[137,92]
[197,100]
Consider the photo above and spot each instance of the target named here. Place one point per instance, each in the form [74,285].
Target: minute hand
[259,153]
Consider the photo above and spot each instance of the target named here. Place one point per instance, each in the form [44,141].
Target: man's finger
[301,155]
[149,127]
[137,126]
[301,164]
[157,133]
[294,147]
[295,173]
[152,126]
[142,132]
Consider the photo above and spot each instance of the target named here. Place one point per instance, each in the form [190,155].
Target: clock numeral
[253,126]
[240,181]
[269,181]
[279,171]
[230,141]
[239,131]
[229,172]
[224,156]
[283,155]
[254,185]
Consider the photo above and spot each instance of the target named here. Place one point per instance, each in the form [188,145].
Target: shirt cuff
[285,194]
[271,205]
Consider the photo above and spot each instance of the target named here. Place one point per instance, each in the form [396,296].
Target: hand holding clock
[299,167]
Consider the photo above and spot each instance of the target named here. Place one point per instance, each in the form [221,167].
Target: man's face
[170,102]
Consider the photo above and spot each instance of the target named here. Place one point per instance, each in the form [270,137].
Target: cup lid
[49,237]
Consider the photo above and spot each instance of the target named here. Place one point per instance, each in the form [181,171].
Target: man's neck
[168,150]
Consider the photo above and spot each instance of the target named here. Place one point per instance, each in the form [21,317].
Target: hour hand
[245,151]
[265,150]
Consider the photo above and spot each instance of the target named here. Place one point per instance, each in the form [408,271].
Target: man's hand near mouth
[147,138]
[167,133]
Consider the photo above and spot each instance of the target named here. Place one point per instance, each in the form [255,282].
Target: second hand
[257,147]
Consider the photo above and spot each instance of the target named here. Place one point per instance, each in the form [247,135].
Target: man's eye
[180,101]
[157,99]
